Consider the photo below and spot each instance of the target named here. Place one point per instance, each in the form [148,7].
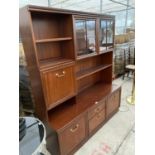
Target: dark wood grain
[73,95]
[97,120]
[32,63]
[113,103]
[86,99]
[58,85]
[72,135]
[91,71]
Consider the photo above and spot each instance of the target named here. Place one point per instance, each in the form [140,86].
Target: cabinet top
[34,8]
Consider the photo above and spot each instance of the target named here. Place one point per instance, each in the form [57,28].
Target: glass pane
[103,35]
[109,31]
[91,43]
[80,26]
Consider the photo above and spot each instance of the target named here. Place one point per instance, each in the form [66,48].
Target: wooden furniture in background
[70,67]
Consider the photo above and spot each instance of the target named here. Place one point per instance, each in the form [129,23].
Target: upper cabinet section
[48,26]
[106,34]
[93,35]
[53,38]
[85,33]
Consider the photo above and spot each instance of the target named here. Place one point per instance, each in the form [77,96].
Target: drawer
[96,109]
[113,103]
[72,136]
[58,85]
[96,120]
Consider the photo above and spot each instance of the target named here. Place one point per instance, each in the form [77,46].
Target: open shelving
[70,57]
[53,40]
[91,71]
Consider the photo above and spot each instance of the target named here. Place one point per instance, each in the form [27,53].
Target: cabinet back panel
[88,81]
[107,58]
[68,49]
[51,25]
[106,75]
[88,63]
[49,50]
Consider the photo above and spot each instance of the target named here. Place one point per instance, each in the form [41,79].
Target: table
[33,142]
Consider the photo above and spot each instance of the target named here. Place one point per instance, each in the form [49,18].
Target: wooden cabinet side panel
[29,50]
[113,102]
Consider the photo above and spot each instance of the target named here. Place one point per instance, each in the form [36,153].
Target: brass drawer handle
[96,102]
[75,128]
[60,75]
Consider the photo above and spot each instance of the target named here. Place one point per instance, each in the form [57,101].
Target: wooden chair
[129,66]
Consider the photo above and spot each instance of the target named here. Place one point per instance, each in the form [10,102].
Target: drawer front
[113,103]
[58,85]
[96,120]
[96,109]
[72,136]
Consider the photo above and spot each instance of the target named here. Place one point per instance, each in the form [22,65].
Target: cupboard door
[81,40]
[85,36]
[58,85]
[91,40]
[72,136]
[110,32]
[96,120]
[106,39]
[113,103]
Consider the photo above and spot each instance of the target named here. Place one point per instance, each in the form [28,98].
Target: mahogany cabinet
[69,59]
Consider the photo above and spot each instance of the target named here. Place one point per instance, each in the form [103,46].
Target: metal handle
[96,102]
[60,75]
[75,128]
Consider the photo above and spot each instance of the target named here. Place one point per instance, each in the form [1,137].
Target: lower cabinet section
[113,103]
[96,120]
[72,135]
[81,128]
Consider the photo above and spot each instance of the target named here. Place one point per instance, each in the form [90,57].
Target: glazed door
[85,36]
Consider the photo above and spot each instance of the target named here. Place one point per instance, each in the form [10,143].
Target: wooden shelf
[50,63]
[53,40]
[85,100]
[91,71]
[94,54]
[106,51]
[86,56]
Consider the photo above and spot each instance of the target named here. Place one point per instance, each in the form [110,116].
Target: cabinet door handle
[96,102]
[75,128]
[60,75]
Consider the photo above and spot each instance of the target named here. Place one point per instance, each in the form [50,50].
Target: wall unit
[69,56]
